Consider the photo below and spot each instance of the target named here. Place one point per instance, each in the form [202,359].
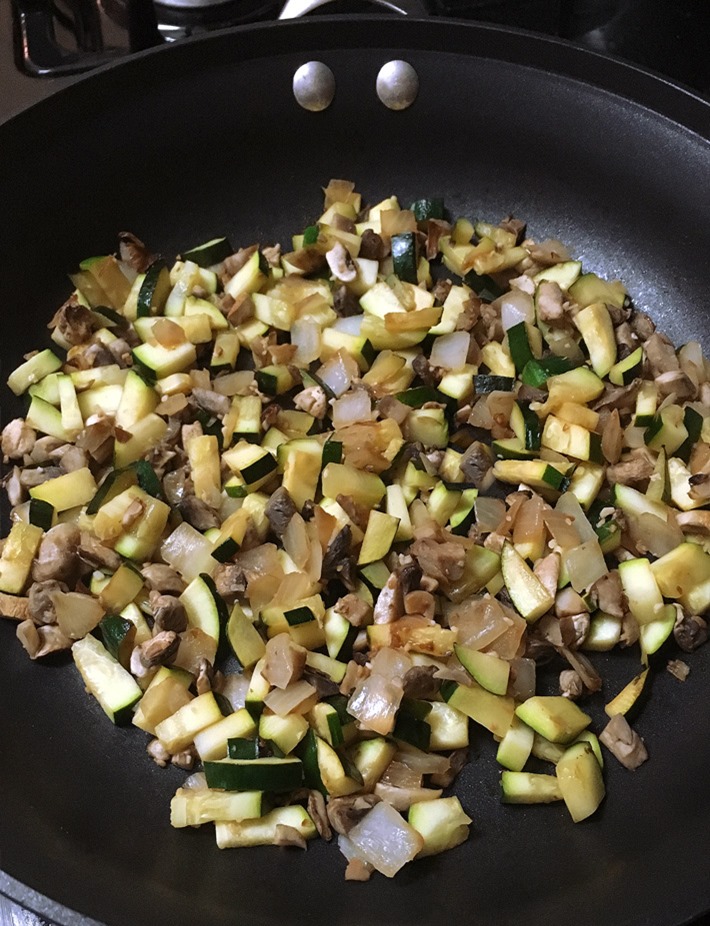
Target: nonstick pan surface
[204,139]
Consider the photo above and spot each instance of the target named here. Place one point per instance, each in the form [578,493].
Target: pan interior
[206,140]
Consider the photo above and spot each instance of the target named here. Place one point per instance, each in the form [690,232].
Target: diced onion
[196,782]
[400,775]
[403,798]
[292,699]
[338,372]
[655,535]
[235,690]
[352,407]
[375,702]
[523,677]
[350,324]
[424,763]
[489,513]
[515,307]
[188,551]
[585,564]
[385,840]
[391,663]
[306,336]
[451,350]
[568,504]
[478,622]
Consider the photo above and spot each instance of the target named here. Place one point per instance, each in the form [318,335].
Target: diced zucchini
[179,730]
[68,491]
[211,741]
[580,780]
[556,718]
[441,823]
[254,774]
[527,592]
[193,807]
[33,371]
[494,712]
[263,831]
[113,687]
[18,553]
[529,788]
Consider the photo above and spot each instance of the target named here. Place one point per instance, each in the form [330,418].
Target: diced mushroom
[134,252]
[547,571]
[185,759]
[341,263]
[40,601]
[96,555]
[75,322]
[272,254]
[284,661]
[318,812]
[158,651]
[58,555]
[18,439]
[621,397]
[636,468]
[642,325]
[198,513]
[345,812]
[476,462]
[690,630]
[372,246]
[13,487]
[168,613]
[158,753]
[678,669]
[626,338]
[37,475]
[162,579]
[14,607]
[660,355]
[230,581]
[549,301]
[234,263]
[354,673]
[623,742]
[313,400]
[279,510]
[338,562]
[420,602]
[676,383]
[285,835]
[389,606]
[212,402]
[71,458]
[610,594]
[420,683]
[441,561]
[356,611]
[571,685]
[345,302]
[457,760]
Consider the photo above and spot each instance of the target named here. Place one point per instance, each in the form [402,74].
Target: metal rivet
[314,86]
[397,84]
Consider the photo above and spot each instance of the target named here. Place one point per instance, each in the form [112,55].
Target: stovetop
[47,41]
[42,51]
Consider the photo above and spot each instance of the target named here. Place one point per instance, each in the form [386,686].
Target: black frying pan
[203,139]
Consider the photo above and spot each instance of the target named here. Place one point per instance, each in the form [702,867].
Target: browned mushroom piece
[357,870]
[457,760]
[341,263]
[550,301]
[97,555]
[345,812]
[58,555]
[199,514]
[212,402]
[158,651]
[18,439]
[660,354]
[168,613]
[420,683]
[676,383]
[134,252]
[313,400]
[158,753]
[690,630]
[623,742]
[285,835]
[571,685]
[40,601]
[610,594]
[161,578]
[635,468]
[356,611]
[318,812]
[476,462]
[234,263]
[372,246]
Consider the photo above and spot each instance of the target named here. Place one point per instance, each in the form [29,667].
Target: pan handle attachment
[294,8]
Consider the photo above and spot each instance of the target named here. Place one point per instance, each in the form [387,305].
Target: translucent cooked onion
[424,763]
[352,407]
[77,614]
[237,383]
[569,505]
[385,840]
[515,307]
[338,373]
[479,622]
[563,529]
[351,324]
[391,663]
[296,698]
[529,525]
[306,336]
[195,782]
[654,535]
[451,350]
[296,541]
[585,564]
[489,512]
[480,416]
[375,702]
[235,689]
[508,644]
[400,775]
[188,551]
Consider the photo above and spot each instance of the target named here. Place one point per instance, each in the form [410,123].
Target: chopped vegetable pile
[304,517]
